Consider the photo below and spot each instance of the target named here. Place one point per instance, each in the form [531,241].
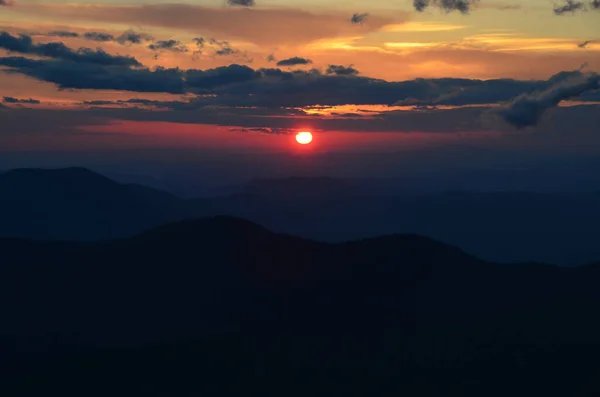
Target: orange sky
[496,40]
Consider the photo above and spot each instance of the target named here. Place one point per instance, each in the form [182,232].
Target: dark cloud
[9,99]
[136,101]
[294,61]
[98,36]
[131,37]
[595,4]
[219,48]
[340,70]
[224,48]
[526,110]
[264,130]
[200,42]
[240,85]
[6,3]
[585,43]
[463,6]
[241,3]
[569,6]
[62,33]
[271,58]
[460,92]
[24,45]
[127,38]
[359,18]
[68,74]
[168,45]
[420,5]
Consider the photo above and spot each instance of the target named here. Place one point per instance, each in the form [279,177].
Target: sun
[304,137]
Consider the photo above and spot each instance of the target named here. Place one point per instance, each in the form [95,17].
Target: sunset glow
[304,137]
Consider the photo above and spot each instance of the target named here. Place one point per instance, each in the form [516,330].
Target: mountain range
[76,204]
[223,306]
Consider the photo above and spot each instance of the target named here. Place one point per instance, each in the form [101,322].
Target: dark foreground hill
[222,306]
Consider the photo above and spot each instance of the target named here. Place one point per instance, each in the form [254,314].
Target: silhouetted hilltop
[78,204]
[222,306]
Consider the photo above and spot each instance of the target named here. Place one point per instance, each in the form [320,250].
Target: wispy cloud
[25,45]
[340,70]
[462,6]
[131,37]
[62,33]
[241,3]
[422,27]
[294,61]
[359,18]
[278,26]
[98,36]
[31,101]
[263,130]
[168,45]
[526,110]
[569,6]
[128,37]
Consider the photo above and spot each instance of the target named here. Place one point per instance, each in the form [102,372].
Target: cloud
[278,26]
[169,45]
[97,36]
[126,38]
[219,48]
[9,99]
[569,6]
[294,61]
[224,47]
[264,130]
[340,70]
[595,4]
[132,37]
[69,74]
[24,45]
[422,27]
[526,110]
[241,3]
[62,33]
[359,18]
[6,3]
[240,85]
[463,6]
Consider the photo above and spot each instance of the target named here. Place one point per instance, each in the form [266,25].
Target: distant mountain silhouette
[77,204]
[223,306]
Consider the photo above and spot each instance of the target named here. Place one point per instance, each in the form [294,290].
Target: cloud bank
[526,110]
[57,50]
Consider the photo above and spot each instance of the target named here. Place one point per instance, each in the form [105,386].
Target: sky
[219,88]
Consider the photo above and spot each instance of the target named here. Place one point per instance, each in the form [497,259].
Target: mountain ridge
[192,306]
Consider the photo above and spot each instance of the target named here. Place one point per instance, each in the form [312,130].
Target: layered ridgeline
[75,204]
[223,306]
